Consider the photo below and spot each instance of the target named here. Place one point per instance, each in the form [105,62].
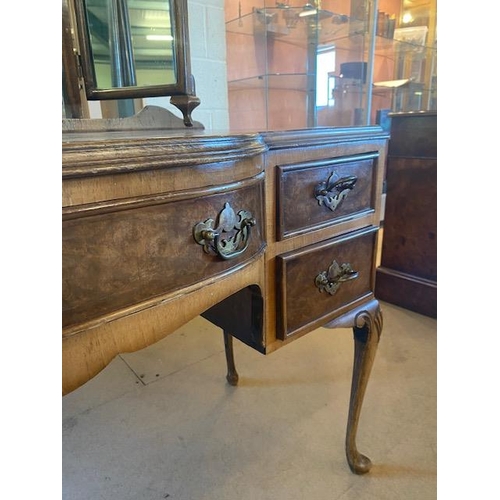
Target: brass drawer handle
[332,192]
[330,281]
[231,236]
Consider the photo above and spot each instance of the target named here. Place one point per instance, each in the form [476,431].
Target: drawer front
[317,194]
[320,282]
[124,257]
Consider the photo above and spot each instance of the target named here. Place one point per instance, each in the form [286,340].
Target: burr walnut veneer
[268,236]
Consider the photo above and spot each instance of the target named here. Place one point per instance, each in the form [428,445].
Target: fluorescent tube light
[160,38]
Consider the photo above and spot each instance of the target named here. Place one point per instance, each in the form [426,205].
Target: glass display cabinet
[292,64]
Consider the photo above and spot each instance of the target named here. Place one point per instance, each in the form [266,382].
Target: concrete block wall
[208,65]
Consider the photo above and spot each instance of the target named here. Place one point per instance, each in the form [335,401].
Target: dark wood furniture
[407,276]
[269,236]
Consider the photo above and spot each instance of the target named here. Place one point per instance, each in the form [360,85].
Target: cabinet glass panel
[293,64]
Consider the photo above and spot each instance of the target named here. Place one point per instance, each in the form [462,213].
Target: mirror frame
[185,81]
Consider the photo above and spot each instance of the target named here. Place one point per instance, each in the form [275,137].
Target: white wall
[208,65]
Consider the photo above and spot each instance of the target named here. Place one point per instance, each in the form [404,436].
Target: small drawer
[317,194]
[123,257]
[319,282]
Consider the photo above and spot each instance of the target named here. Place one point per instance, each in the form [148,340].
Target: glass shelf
[277,81]
[274,23]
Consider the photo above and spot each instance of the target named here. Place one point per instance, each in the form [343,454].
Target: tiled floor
[163,423]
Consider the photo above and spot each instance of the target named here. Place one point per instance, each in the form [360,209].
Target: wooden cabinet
[407,275]
[269,236]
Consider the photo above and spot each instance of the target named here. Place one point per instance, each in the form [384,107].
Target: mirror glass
[133,48]
[131,43]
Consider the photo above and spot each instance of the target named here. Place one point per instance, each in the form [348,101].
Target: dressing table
[269,236]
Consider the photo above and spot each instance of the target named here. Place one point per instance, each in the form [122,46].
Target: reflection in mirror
[136,48]
[131,43]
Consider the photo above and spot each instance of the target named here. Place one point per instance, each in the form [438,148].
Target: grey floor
[163,424]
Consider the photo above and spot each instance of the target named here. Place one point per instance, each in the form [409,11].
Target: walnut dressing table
[269,236]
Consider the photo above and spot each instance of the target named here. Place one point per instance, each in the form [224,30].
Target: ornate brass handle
[333,191]
[330,280]
[231,236]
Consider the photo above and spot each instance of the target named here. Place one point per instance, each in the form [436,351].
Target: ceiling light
[308,10]
[407,17]
[306,13]
[160,38]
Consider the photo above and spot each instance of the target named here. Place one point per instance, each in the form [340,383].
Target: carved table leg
[367,326]
[232,374]
[367,331]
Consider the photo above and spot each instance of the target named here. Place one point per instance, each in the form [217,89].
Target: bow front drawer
[128,254]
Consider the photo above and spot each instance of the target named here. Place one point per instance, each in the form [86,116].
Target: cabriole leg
[232,374]
[367,330]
